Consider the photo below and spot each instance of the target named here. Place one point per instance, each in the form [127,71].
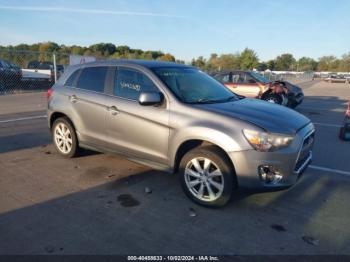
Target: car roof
[139,62]
[120,62]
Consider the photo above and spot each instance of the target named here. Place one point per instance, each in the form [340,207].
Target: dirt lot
[96,204]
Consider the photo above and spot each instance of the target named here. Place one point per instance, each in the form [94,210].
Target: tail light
[49,93]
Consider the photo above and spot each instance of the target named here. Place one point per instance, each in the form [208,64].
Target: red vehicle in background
[254,85]
[344,133]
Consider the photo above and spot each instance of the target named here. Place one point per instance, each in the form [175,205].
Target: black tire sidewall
[65,121]
[220,159]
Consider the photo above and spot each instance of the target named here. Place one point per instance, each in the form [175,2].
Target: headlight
[262,141]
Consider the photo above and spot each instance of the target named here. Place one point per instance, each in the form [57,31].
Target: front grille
[305,152]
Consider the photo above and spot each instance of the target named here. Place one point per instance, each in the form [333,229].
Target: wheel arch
[190,144]
[55,115]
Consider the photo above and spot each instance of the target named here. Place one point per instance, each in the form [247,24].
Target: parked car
[254,85]
[60,70]
[7,76]
[17,73]
[176,118]
[336,79]
[39,71]
[43,70]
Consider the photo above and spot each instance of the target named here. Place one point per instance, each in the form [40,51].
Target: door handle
[73,98]
[114,110]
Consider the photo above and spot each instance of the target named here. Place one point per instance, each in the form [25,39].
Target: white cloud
[85,11]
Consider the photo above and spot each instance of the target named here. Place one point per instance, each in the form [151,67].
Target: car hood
[273,118]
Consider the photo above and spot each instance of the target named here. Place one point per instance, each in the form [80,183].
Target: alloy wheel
[204,179]
[63,138]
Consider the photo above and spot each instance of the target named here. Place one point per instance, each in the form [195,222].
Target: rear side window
[71,81]
[242,78]
[130,83]
[226,78]
[93,78]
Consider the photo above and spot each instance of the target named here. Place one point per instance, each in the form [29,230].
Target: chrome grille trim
[308,159]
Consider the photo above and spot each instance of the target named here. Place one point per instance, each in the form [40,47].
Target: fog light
[269,174]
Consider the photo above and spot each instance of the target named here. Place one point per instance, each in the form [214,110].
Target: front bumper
[290,162]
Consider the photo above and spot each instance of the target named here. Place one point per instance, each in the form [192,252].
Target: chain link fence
[29,71]
[292,77]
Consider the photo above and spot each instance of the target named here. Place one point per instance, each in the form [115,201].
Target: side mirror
[150,98]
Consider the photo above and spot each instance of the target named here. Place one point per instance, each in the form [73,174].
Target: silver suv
[176,118]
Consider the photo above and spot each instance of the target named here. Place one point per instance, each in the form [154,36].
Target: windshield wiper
[211,101]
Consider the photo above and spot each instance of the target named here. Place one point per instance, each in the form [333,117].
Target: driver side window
[129,83]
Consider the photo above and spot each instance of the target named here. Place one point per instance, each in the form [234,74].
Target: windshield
[260,78]
[193,86]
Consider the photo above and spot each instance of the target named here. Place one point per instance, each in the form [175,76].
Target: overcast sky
[185,28]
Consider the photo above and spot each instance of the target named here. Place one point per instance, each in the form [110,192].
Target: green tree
[248,59]
[123,49]
[167,57]
[284,62]
[344,65]
[45,49]
[327,63]
[103,49]
[306,64]
[77,50]
[262,66]
[223,62]
[271,65]
[199,62]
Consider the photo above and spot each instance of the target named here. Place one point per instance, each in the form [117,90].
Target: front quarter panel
[188,123]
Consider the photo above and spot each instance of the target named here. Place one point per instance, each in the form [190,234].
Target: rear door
[139,131]
[88,103]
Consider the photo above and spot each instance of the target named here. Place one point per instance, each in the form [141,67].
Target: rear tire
[64,137]
[207,176]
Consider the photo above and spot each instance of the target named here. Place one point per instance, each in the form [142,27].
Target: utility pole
[54,66]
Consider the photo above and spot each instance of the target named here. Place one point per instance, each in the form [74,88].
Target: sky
[184,28]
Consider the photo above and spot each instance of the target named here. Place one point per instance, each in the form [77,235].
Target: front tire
[207,176]
[64,137]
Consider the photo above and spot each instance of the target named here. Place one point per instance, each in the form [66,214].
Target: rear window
[33,65]
[93,78]
[40,65]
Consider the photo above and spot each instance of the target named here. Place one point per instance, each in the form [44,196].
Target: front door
[139,131]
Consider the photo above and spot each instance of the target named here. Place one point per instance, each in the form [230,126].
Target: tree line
[22,54]
[245,60]
[248,60]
